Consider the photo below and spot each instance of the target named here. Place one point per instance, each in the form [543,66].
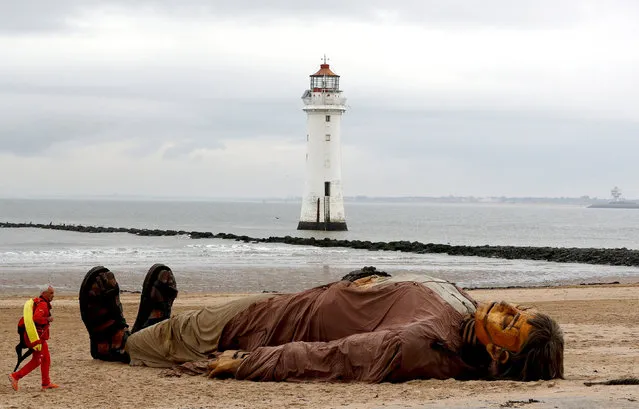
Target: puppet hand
[227,363]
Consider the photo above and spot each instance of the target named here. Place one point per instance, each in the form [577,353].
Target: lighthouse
[323,201]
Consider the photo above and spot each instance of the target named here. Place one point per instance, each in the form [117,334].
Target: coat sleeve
[367,357]
[41,314]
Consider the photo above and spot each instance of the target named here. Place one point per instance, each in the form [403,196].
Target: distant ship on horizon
[617,202]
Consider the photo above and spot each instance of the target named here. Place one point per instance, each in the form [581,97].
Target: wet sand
[600,323]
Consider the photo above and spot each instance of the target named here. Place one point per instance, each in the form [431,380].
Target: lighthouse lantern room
[323,201]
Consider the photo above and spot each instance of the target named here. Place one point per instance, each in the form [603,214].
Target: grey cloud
[39,134]
[41,110]
[508,140]
[489,12]
[42,15]
[39,123]
[490,153]
[200,117]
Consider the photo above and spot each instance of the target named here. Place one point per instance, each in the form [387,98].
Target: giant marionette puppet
[371,329]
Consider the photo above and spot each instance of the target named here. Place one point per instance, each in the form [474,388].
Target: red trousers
[39,358]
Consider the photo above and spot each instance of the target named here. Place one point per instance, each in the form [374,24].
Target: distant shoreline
[575,201]
[615,205]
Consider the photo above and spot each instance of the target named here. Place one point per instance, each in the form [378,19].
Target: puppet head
[523,343]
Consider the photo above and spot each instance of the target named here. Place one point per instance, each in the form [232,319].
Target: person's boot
[159,290]
[14,382]
[101,312]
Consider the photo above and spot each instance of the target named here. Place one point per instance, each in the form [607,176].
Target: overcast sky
[201,98]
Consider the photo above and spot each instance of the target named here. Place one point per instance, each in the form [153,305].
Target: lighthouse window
[328,136]
[328,118]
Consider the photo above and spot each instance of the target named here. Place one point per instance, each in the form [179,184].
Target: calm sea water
[29,257]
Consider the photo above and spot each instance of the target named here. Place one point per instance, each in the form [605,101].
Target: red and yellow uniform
[41,356]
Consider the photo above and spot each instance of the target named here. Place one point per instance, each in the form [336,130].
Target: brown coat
[392,332]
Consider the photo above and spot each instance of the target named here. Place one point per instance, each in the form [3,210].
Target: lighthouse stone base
[330,226]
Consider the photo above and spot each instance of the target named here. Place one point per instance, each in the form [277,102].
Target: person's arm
[368,357]
[41,314]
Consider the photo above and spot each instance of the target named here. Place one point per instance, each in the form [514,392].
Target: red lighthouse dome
[324,80]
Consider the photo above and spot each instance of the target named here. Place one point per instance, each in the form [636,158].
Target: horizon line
[116,197]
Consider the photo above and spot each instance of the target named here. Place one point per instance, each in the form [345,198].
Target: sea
[32,257]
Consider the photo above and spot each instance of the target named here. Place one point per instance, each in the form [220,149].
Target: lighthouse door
[327,203]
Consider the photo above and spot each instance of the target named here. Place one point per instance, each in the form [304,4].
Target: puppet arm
[411,352]
[368,357]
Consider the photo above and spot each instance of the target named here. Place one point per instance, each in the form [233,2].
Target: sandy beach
[600,323]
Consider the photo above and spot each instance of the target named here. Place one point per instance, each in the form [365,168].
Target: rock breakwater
[605,256]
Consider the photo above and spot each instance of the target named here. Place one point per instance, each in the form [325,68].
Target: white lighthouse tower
[323,202]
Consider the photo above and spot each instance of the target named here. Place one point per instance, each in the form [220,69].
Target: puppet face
[503,325]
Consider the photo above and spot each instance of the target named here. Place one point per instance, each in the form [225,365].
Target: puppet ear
[497,353]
